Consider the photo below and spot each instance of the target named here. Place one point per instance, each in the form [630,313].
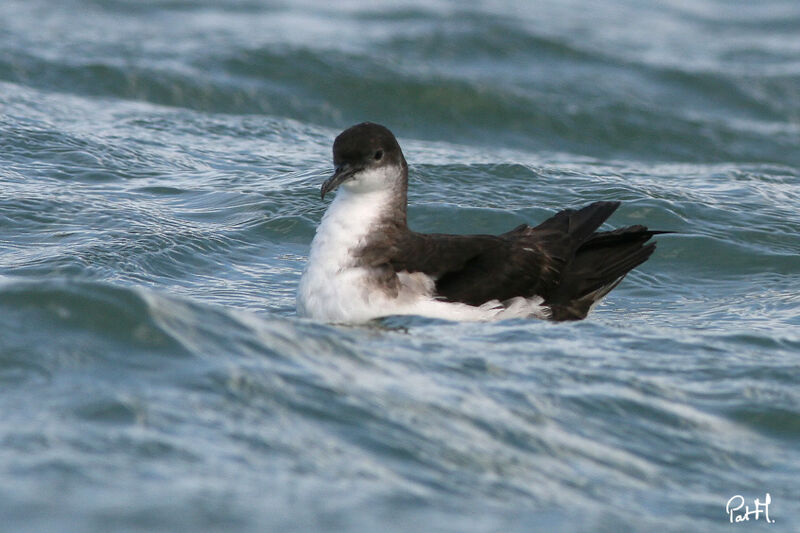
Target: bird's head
[367,158]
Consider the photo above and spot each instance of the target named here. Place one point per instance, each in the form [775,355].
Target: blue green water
[160,165]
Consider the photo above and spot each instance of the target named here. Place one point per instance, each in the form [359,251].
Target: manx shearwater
[366,263]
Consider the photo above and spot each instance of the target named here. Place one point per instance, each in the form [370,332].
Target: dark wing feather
[439,255]
[564,260]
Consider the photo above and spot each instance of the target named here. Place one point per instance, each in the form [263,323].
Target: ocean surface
[160,166]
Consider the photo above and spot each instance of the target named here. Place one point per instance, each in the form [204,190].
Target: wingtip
[608,204]
[604,207]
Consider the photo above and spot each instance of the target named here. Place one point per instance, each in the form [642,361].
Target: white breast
[332,289]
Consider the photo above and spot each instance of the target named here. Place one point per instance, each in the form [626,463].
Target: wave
[724,116]
[370,402]
[160,186]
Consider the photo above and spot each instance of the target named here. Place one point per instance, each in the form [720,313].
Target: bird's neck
[349,221]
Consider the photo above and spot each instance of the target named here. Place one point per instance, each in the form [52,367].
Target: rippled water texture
[160,165]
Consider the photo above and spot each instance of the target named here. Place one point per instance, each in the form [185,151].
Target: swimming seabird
[366,263]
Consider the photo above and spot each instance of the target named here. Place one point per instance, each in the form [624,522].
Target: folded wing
[564,260]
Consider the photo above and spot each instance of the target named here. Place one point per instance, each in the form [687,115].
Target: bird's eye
[378,155]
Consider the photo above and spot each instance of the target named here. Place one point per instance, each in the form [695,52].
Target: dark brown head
[367,158]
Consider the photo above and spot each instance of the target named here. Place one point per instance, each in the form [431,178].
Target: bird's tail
[594,262]
[598,266]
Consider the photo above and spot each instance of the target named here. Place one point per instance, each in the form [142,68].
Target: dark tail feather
[579,224]
[598,266]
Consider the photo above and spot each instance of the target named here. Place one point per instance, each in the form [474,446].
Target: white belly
[338,295]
